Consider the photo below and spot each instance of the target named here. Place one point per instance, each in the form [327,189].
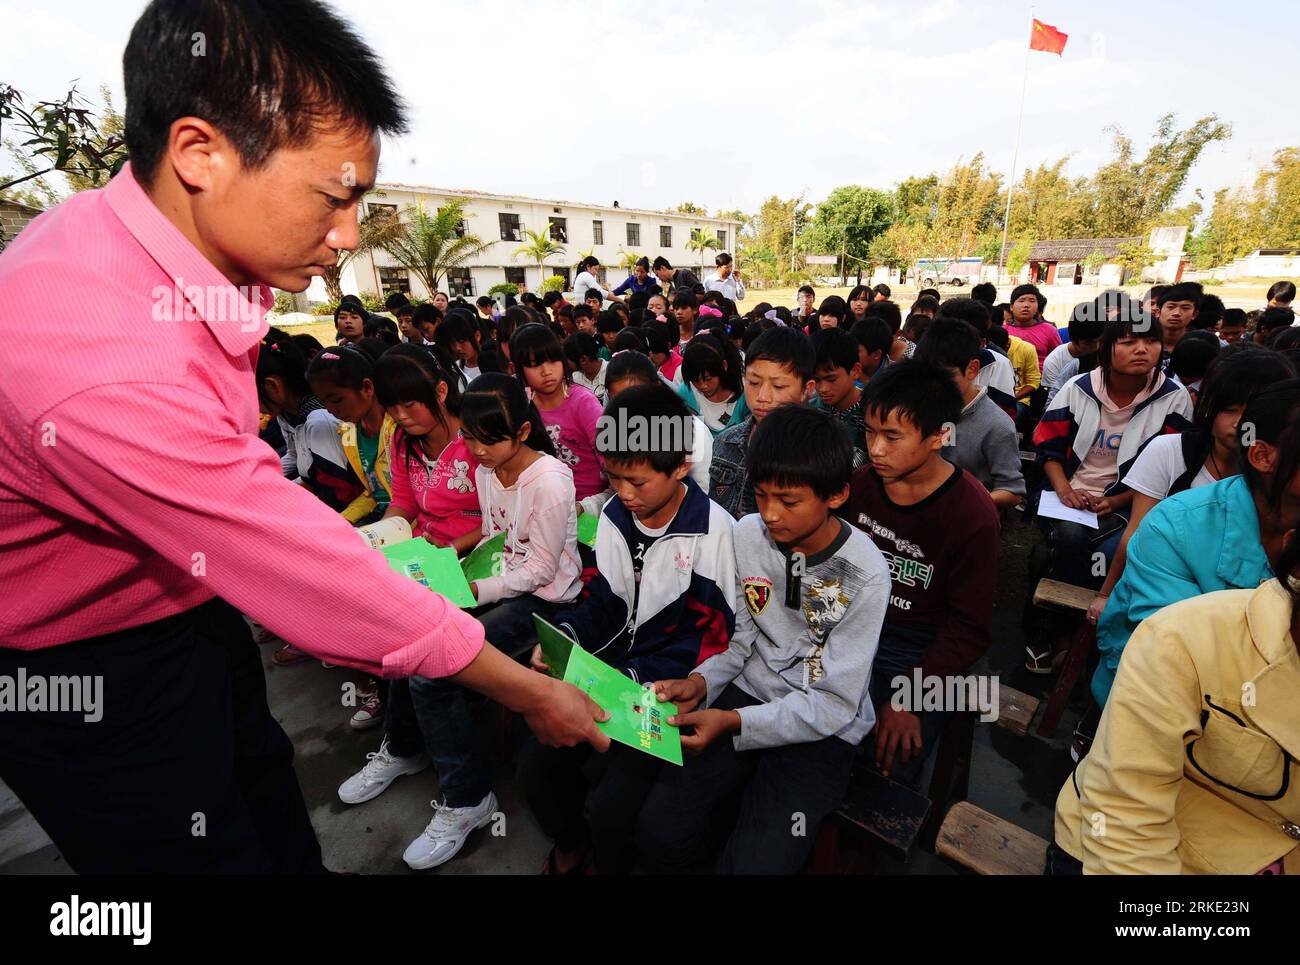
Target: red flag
[1044,37]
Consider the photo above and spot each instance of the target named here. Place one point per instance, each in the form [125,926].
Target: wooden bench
[876,811]
[1015,710]
[1066,597]
[984,843]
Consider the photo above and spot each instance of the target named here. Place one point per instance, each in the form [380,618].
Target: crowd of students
[829,522]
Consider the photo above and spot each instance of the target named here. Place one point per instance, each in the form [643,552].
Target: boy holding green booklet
[787,701]
[662,600]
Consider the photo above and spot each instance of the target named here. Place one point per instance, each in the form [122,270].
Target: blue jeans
[432,714]
[685,814]
[900,651]
[1072,546]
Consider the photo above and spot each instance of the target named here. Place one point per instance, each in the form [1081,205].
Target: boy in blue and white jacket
[661,602]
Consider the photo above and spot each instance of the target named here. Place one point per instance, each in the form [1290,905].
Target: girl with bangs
[711,383]
[569,413]
[1088,439]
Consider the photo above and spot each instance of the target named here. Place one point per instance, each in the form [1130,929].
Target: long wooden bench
[985,844]
[1066,597]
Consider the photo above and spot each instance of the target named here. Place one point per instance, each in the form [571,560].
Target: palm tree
[539,248]
[376,228]
[432,245]
[627,260]
[702,242]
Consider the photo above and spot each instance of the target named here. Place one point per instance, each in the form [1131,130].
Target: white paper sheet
[1050,505]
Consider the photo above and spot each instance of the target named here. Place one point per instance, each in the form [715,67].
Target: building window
[600,276]
[511,228]
[516,276]
[558,230]
[395,280]
[665,236]
[462,229]
[722,240]
[460,282]
[634,235]
[598,232]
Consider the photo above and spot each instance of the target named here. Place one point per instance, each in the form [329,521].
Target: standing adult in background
[675,278]
[641,281]
[726,279]
[138,509]
[587,281]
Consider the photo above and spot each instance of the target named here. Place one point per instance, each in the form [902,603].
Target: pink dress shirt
[133,485]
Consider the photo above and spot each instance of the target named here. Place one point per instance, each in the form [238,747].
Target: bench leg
[1075,658]
[951,779]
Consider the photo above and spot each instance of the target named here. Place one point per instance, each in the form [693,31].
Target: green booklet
[636,718]
[434,566]
[587,524]
[487,559]
[555,644]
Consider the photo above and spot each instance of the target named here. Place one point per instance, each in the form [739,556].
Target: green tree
[431,245]
[627,260]
[1133,257]
[1018,254]
[689,207]
[59,136]
[847,222]
[702,241]
[538,248]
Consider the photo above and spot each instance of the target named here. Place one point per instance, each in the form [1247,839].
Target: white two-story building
[607,231]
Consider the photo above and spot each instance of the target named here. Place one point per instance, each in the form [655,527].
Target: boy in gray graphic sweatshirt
[787,701]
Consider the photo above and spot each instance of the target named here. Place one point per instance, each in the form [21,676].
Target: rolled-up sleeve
[169,467]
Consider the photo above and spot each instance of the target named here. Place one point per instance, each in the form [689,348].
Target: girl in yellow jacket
[1194,766]
[341,378]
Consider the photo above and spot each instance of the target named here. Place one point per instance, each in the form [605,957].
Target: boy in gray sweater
[983,442]
[786,702]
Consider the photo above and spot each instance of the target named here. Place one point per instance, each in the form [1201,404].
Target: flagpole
[1015,154]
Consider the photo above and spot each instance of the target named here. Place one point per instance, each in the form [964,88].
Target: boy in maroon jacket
[938,530]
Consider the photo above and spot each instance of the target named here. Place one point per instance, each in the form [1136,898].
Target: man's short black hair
[722,259]
[396,300]
[426,312]
[949,342]
[807,290]
[787,347]
[873,334]
[269,76]
[970,310]
[985,292]
[666,427]
[923,394]
[1282,291]
[888,312]
[550,298]
[1086,322]
[1208,313]
[594,295]
[835,348]
[1184,291]
[797,445]
[661,262]
[684,298]
[609,321]
[483,301]
[882,289]
[1192,355]
[929,293]
[582,311]
[581,345]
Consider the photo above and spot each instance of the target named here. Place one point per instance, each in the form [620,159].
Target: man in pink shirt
[139,512]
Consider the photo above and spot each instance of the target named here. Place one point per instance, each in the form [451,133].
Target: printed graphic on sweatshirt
[562,452]
[908,572]
[884,532]
[824,605]
[459,479]
[758,591]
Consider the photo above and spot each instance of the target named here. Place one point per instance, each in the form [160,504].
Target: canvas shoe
[370,713]
[381,770]
[447,833]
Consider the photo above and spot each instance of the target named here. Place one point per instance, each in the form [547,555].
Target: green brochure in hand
[636,718]
[555,644]
[435,566]
[486,560]
[587,523]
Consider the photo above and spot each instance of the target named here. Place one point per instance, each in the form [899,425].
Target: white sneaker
[381,770]
[447,833]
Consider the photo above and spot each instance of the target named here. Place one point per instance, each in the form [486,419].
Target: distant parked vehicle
[931,272]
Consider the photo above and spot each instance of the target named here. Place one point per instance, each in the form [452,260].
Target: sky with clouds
[727,102]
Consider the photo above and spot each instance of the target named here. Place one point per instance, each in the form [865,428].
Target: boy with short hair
[405,313]
[779,370]
[583,319]
[1178,306]
[583,353]
[661,601]
[608,325]
[1062,363]
[776,719]
[594,300]
[839,368]
[938,530]
[983,440]
[425,320]
[806,307]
